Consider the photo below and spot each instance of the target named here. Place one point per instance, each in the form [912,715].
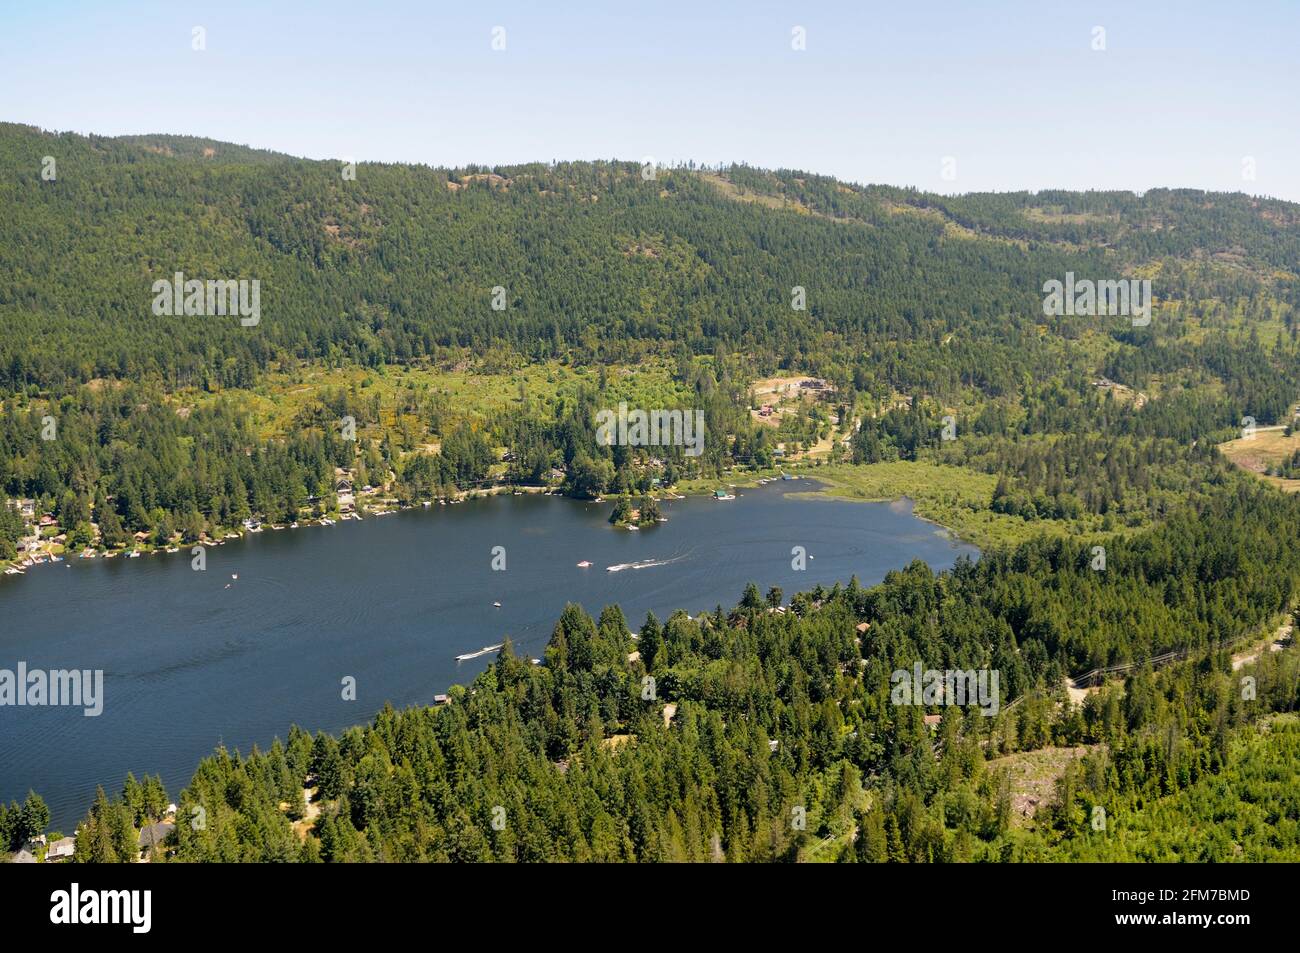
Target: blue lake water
[195,659]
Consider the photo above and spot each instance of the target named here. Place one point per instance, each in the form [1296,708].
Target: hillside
[1081,451]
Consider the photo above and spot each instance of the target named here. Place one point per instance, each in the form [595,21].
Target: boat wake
[643,564]
[483,651]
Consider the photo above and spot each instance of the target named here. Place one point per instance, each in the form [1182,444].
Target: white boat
[585,564]
[496,605]
[483,651]
[133,554]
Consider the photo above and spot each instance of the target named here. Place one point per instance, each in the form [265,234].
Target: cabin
[343,491]
[765,411]
[442,699]
[932,721]
[863,627]
[62,848]
[153,835]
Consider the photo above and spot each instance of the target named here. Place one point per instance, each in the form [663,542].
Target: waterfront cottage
[153,835]
[62,848]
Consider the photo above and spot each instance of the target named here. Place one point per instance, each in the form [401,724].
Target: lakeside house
[343,490]
[932,721]
[62,848]
[154,835]
[441,699]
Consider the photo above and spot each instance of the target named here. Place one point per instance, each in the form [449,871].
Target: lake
[196,659]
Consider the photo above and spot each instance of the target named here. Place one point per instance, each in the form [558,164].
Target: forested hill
[597,263]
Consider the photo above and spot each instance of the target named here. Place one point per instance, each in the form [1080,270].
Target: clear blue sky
[1013,90]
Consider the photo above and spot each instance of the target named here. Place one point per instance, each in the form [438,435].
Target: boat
[585,564]
[496,605]
[11,571]
[487,649]
[633,526]
[133,554]
[786,476]
[723,495]
[234,575]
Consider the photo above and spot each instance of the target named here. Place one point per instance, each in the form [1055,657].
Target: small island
[645,513]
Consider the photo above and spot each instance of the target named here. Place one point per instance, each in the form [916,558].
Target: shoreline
[828,488]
